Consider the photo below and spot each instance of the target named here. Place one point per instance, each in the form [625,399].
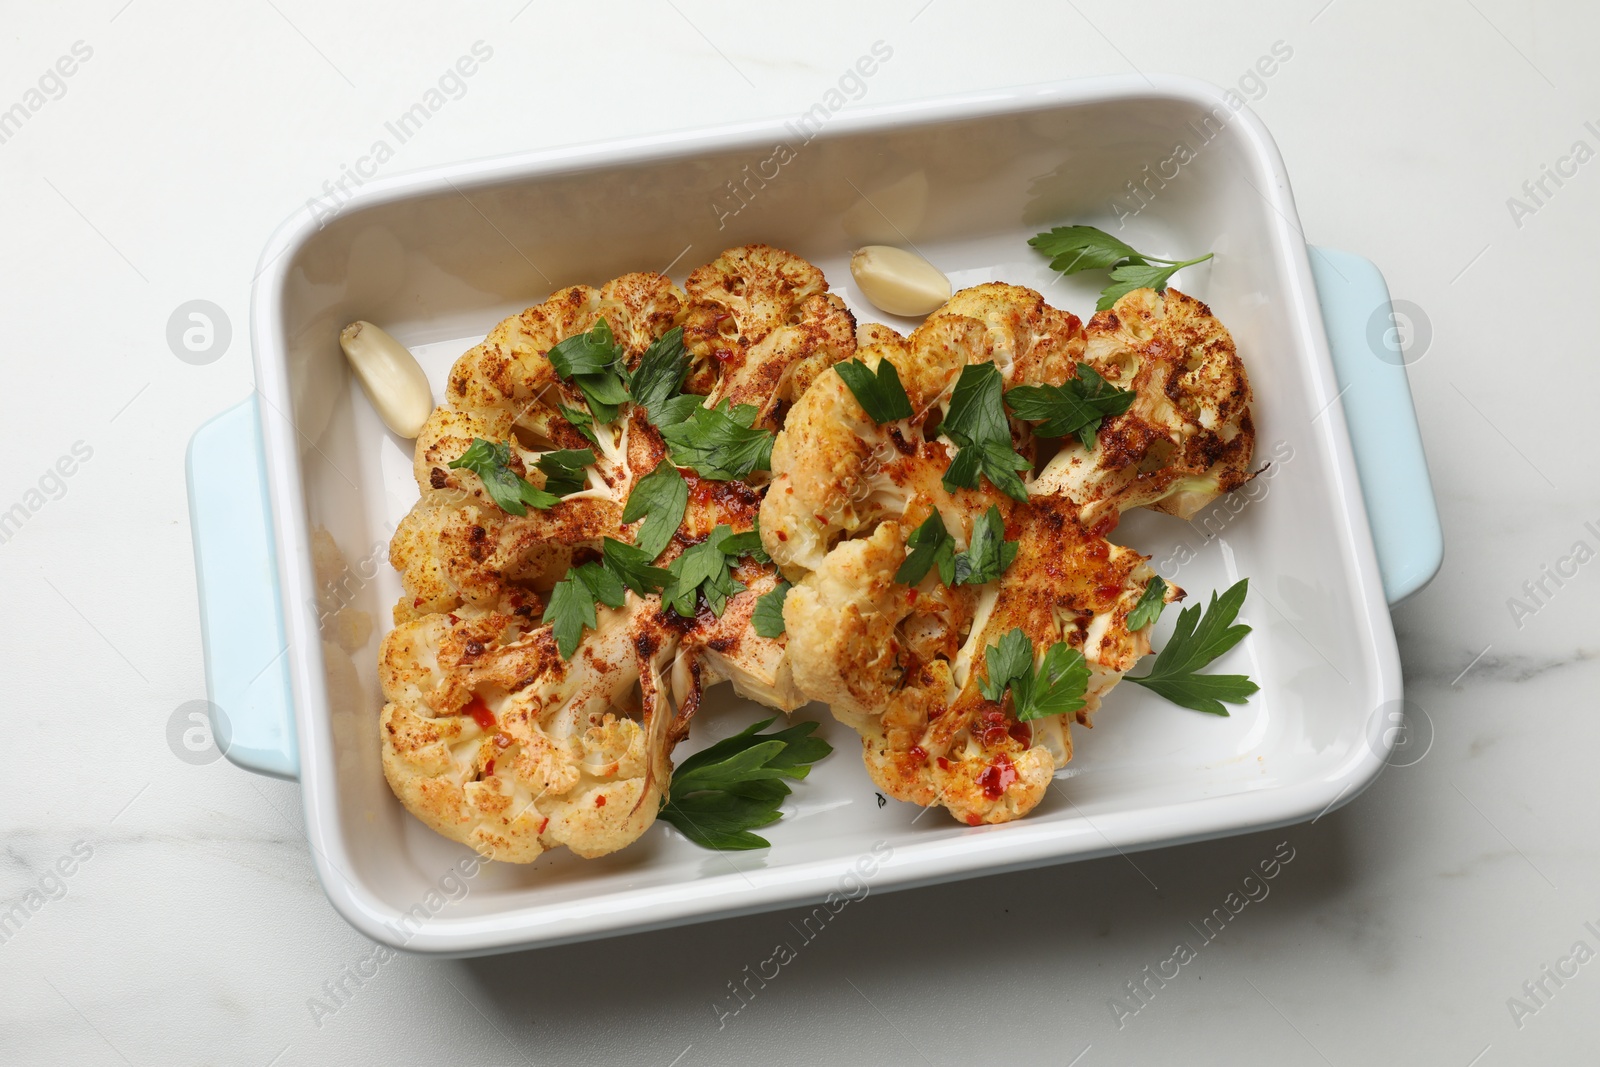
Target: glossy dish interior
[438,258]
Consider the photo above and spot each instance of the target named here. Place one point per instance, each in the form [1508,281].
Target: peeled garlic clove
[390,376]
[899,282]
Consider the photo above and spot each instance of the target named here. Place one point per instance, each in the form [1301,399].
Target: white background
[197,931]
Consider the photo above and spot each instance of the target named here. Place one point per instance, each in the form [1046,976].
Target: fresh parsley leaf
[721,793]
[1104,397]
[881,396]
[676,410]
[1151,601]
[569,611]
[660,375]
[571,607]
[563,469]
[710,768]
[800,750]
[595,363]
[581,421]
[718,591]
[491,462]
[1076,406]
[930,545]
[767,618]
[659,498]
[988,554]
[978,426]
[1130,276]
[999,461]
[1197,641]
[976,410]
[734,767]
[594,352]
[722,819]
[1056,688]
[1007,661]
[631,565]
[747,544]
[720,443]
[1076,248]
[602,584]
[701,569]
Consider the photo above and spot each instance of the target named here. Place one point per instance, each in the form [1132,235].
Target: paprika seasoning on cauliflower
[536,682]
[899,651]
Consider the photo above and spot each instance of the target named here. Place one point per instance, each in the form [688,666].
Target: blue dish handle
[1369,364]
[241,611]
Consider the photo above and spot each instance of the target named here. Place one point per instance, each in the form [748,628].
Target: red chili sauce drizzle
[997,777]
[480,712]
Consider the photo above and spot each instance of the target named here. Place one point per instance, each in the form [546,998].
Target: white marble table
[172,915]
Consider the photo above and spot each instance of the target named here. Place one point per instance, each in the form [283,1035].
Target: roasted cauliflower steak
[903,664]
[489,736]
[1188,437]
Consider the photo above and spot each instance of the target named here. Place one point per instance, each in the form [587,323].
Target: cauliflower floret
[760,326]
[1188,437]
[836,473]
[506,390]
[489,736]
[902,665]
[492,740]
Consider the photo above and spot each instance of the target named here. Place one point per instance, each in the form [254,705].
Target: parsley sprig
[563,469]
[656,383]
[571,608]
[930,545]
[721,443]
[767,618]
[723,792]
[747,544]
[988,554]
[491,461]
[702,569]
[1078,248]
[1076,406]
[1056,688]
[581,421]
[632,567]
[659,498]
[978,426]
[597,365]
[1195,643]
[1151,601]
[706,569]
[881,394]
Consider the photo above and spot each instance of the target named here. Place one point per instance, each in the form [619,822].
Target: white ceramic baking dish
[438,257]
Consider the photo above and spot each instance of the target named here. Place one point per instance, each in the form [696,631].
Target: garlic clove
[390,376]
[897,281]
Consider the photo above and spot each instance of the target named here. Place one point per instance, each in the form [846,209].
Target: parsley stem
[1178,265]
